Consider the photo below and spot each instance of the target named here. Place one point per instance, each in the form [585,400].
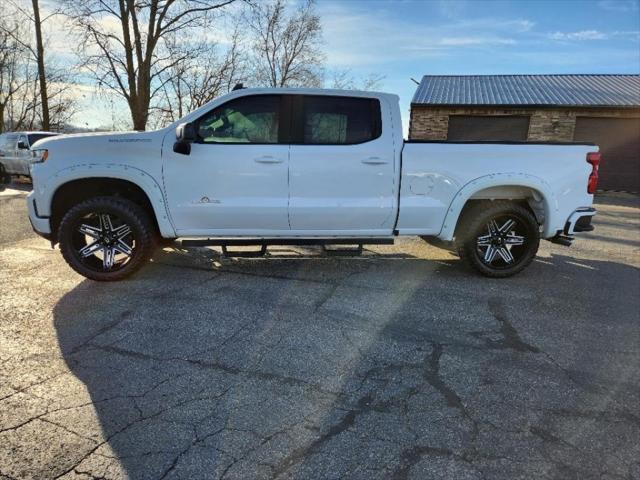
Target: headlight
[39,155]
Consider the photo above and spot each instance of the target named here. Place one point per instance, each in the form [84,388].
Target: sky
[404,39]
[408,39]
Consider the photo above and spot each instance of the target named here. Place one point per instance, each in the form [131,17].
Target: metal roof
[530,90]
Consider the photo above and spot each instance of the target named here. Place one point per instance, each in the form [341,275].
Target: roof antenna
[238,86]
[414,81]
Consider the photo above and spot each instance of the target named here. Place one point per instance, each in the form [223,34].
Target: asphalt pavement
[400,364]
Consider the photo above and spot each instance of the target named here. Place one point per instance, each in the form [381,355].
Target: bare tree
[42,76]
[33,94]
[10,52]
[18,78]
[344,80]
[129,59]
[198,73]
[286,45]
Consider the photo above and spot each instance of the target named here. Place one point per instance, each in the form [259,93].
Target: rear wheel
[106,238]
[499,239]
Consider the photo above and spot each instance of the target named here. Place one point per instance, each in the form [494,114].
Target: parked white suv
[297,166]
[15,151]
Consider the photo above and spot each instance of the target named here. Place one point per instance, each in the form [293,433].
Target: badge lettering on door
[208,200]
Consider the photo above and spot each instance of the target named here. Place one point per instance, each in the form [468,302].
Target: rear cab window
[329,120]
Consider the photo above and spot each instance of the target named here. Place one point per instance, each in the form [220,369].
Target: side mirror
[22,145]
[185,135]
[186,132]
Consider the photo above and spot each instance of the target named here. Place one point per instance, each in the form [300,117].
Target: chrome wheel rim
[103,242]
[502,242]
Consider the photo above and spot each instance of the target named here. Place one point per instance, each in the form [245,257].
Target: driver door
[23,156]
[235,180]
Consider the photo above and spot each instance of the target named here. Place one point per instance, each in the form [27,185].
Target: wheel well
[76,191]
[529,198]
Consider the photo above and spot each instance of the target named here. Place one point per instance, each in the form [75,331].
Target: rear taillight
[594,159]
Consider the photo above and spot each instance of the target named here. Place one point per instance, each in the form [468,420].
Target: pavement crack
[434,378]
[111,325]
[410,457]
[363,405]
[51,422]
[231,370]
[511,336]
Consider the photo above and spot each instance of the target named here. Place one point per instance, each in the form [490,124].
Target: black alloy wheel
[106,238]
[500,238]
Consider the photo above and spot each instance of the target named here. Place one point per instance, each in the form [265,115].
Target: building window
[496,128]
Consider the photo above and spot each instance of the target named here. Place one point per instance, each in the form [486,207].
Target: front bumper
[40,225]
[580,221]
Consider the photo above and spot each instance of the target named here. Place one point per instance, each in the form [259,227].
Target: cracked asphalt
[399,364]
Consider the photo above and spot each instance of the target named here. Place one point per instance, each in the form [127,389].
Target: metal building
[603,109]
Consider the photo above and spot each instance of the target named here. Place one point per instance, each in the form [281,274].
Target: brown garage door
[619,142]
[488,127]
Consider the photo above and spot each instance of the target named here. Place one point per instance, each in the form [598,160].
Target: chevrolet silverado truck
[303,166]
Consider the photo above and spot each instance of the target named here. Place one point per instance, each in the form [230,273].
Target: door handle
[374,161]
[268,159]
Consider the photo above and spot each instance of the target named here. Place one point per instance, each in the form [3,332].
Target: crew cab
[299,166]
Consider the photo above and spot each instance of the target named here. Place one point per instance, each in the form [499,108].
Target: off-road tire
[475,222]
[141,230]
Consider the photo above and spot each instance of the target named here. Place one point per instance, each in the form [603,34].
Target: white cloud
[579,36]
[518,25]
[633,35]
[619,5]
[359,38]
[464,41]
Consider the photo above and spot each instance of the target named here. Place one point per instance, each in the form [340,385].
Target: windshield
[34,137]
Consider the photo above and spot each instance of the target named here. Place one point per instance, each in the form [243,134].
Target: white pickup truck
[299,166]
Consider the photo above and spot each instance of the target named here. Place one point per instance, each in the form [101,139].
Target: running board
[263,243]
[247,242]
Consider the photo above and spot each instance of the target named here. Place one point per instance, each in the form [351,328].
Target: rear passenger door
[341,170]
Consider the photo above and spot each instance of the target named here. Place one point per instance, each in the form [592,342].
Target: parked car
[15,150]
[300,166]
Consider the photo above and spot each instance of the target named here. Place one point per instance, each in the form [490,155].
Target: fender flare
[500,180]
[146,182]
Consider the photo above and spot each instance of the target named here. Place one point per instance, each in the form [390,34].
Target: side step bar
[263,243]
[562,240]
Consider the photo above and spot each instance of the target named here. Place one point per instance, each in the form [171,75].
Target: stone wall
[545,124]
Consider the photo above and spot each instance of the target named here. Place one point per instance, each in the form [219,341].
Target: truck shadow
[202,368]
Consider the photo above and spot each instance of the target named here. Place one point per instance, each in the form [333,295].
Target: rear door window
[329,120]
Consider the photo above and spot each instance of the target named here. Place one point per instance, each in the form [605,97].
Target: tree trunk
[41,72]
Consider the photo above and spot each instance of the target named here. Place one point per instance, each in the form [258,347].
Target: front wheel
[499,239]
[106,238]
